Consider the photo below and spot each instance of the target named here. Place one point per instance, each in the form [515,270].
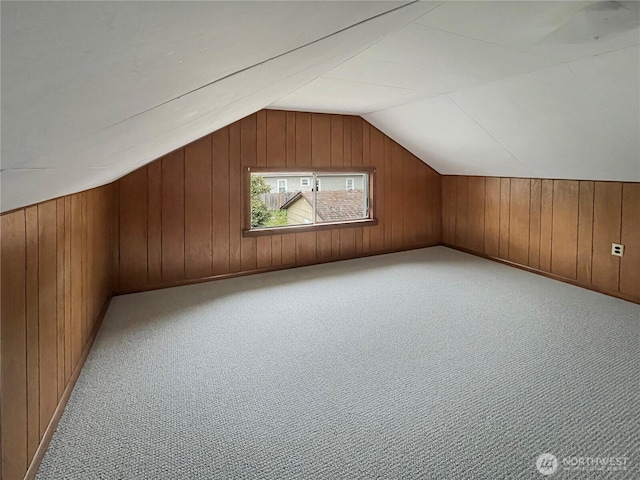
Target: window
[285,199]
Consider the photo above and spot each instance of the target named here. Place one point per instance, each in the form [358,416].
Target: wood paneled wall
[55,281]
[562,227]
[180,217]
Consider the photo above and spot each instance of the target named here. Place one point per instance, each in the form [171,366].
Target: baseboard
[57,414]
[623,296]
[192,281]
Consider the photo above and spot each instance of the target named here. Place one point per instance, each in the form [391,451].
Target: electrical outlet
[617,249]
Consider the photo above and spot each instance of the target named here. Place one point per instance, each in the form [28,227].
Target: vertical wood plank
[276,138]
[585,231]
[347,243]
[236,222]
[323,247]
[77,281]
[60,227]
[290,139]
[607,217]
[492,217]
[534,223]
[346,145]
[396,189]
[356,141]
[224,214]
[261,138]
[434,201]
[154,222]
[33,387]
[424,203]
[115,235]
[505,196]
[173,253]
[366,160]
[630,238]
[475,214]
[303,139]
[461,211]
[305,248]
[520,204]
[411,211]
[276,156]
[335,244]
[263,252]
[248,155]
[289,249]
[337,141]
[377,161]
[276,250]
[13,343]
[446,207]
[546,224]
[386,179]
[321,140]
[564,244]
[47,312]
[68,357]
[133,229]
[198,216]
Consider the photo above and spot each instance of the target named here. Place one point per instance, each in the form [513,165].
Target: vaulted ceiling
[93,90]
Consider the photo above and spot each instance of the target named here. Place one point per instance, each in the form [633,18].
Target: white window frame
[353,184]
[284,180]
[305,182]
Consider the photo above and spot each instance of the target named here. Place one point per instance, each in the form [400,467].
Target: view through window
[281,199]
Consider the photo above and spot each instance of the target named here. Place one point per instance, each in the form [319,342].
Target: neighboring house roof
[333,205]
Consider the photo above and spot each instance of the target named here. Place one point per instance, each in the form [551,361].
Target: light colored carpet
[423,364]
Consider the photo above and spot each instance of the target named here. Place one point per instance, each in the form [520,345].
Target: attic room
[314,239]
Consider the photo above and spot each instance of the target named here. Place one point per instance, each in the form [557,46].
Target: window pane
[280,199]
[340,200]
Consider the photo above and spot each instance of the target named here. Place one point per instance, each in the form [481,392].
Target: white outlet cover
[617,249]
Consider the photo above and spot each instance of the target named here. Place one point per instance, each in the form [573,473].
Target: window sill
[258,232]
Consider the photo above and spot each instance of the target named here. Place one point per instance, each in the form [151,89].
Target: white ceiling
[533,89]
[93,90]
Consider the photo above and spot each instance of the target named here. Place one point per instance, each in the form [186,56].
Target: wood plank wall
[561,227]
[55,281]
[180,217]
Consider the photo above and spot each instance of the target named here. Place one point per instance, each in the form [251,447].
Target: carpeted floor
[423,364]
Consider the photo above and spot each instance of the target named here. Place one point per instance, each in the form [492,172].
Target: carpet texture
[423,364]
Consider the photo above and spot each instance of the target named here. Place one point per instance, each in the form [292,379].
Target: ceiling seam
[603,112]
[355,54]
[361,22]
[369,83]
[526,169]
[483,41]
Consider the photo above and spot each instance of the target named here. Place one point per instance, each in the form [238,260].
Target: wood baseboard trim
[180,283]
[623,296]
[57,414]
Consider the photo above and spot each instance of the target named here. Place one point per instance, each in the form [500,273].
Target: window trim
[278,184]
[346,183]
[310,172]
[308,182]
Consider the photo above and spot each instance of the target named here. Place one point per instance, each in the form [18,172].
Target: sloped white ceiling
[93,90]
[540,89]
